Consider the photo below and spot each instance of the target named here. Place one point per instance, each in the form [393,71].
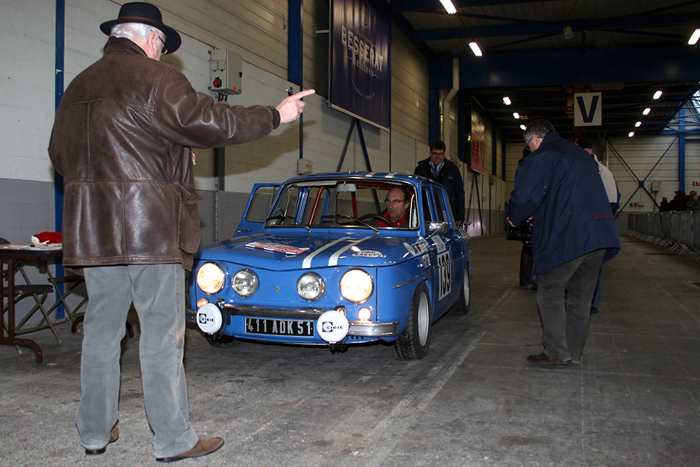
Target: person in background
[445,172]
[693,202]
[559,186]
[678,203]
[122,140]
[613,198]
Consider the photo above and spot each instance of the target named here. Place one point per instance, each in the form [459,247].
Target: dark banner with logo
[360,73]
[478,141]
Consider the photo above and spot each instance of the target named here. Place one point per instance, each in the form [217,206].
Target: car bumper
[356,328]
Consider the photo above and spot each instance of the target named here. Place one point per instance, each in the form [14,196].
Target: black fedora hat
[142,12]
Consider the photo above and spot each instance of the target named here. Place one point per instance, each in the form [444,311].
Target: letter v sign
[588,109]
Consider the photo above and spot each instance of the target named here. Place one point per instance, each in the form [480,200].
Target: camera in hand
[521,233]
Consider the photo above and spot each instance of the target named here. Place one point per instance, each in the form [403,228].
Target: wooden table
[10,254]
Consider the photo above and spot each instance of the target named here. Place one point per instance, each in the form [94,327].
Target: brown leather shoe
[202,448]
[546,361]
[113,436]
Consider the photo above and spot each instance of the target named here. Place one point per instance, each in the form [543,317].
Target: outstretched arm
[291,107]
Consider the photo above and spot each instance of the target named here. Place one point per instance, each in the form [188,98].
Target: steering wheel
[374,217]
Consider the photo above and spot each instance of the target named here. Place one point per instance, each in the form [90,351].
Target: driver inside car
[396,213]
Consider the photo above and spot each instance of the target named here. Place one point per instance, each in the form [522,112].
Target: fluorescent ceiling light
[657,94]
[516,115]
[449,7]
[506,100]
[475,49]
[694,37]
[638,124]
[523,127]
[646,111]
[568,33]
[631,134]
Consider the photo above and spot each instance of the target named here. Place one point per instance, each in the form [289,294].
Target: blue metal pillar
[681,149]
[460,126]
[59,62]
[434,126]
[295,44]
[494,151]
[295,56]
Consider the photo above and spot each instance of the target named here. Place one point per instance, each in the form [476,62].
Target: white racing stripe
[307,261]
[333,261]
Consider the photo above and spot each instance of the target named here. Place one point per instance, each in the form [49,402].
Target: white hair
[132,30]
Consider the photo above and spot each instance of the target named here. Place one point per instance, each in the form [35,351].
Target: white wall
[26,88]
[654,158]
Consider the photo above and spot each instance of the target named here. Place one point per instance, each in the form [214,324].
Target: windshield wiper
[354,220]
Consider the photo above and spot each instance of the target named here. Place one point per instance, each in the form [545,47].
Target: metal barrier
[678,231]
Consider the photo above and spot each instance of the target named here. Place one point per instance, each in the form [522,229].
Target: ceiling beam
[539,27]
[571,66]
[427,5]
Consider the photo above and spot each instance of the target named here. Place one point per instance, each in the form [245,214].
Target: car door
[257,209]
[446,251]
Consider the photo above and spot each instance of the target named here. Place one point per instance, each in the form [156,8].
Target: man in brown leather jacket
[122,140]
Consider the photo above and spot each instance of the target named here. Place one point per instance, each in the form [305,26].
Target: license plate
[280,327]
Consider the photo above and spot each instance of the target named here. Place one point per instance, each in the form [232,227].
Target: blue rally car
[317,260]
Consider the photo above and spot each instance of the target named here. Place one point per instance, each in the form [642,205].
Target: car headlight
[210,278]
[311,286]
[245,283]
[356,285]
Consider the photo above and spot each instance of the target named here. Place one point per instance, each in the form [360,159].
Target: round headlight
[364,314]
[245,283]
[311,286]
[210,278]
[356,285]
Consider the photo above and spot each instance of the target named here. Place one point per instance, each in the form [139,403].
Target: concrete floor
[473,401]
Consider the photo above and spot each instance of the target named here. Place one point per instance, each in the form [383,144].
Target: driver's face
[396,204]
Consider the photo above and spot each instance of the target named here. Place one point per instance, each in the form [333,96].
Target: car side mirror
[437,228]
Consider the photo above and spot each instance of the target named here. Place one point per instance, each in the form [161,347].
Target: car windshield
[352,203]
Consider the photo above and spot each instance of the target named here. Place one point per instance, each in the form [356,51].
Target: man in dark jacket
[122,140]
[445,172]
[574,232]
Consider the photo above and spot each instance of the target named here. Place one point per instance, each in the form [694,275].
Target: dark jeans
[564,297]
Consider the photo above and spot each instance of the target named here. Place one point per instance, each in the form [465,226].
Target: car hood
[289,252]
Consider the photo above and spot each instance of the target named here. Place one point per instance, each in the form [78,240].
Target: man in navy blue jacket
[574,232]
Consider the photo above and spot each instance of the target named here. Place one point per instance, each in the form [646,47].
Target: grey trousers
[158,294]
[564,297]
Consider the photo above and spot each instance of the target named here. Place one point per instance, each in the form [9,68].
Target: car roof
[394,176]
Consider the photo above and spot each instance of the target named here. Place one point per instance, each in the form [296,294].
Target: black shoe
[543,360]
[113,436]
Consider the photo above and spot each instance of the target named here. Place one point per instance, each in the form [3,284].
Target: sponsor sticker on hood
[278,247]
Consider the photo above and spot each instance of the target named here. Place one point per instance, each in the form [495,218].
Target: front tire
[219,340]
[414,341]
[461,308]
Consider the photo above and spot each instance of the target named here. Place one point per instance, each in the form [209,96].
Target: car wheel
[413,343]
[461,308]
[219,340]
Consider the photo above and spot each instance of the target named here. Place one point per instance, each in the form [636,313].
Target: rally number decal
[445,265]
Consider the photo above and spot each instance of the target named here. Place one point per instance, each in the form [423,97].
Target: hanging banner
[360,79]
[588,109]
[478,141]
